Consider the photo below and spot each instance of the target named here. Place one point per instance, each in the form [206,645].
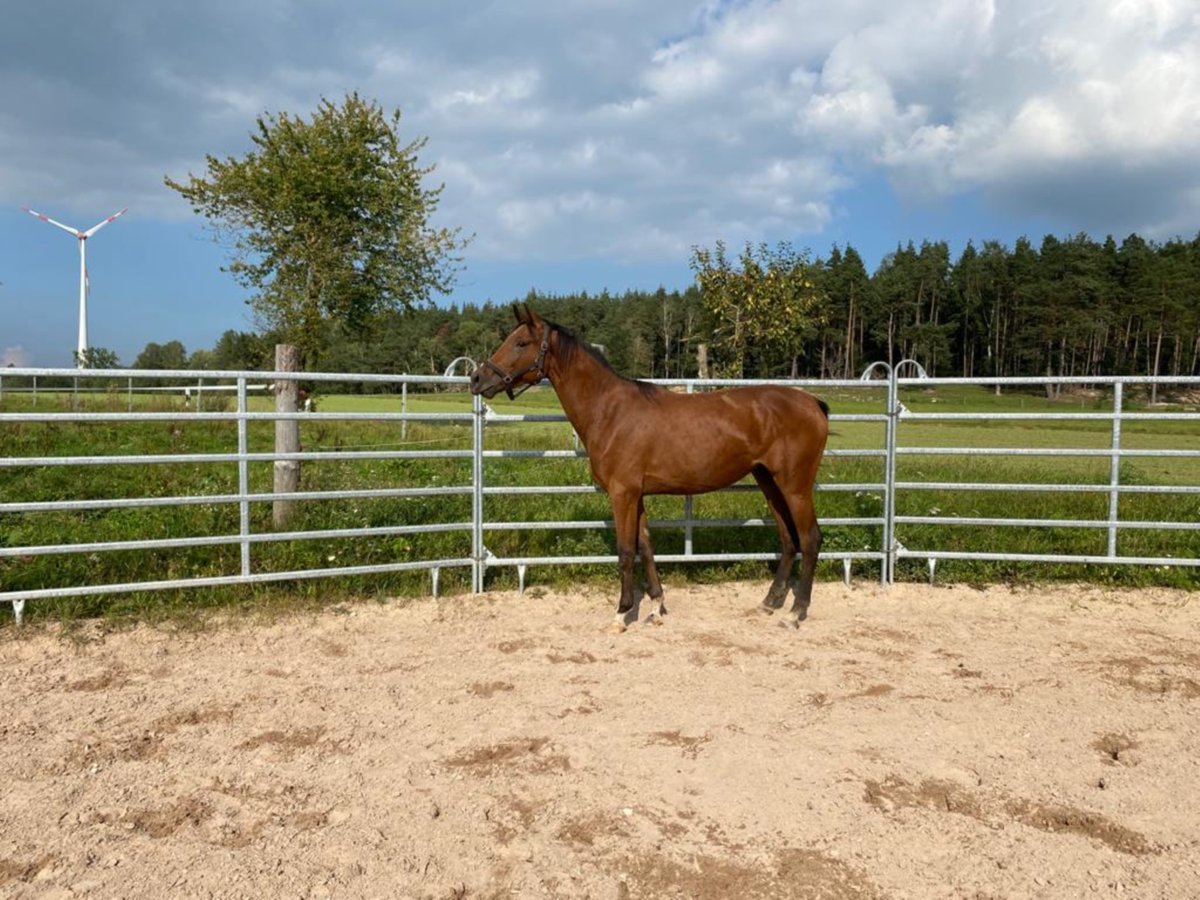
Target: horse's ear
[517,315]
[534,320]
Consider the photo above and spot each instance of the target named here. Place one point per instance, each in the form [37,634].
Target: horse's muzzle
[486,383]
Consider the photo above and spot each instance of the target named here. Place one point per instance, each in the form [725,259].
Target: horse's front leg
[625,518]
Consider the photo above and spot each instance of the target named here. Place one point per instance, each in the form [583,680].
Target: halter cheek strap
[510,378]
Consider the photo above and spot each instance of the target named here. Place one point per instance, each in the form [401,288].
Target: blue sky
[588,145]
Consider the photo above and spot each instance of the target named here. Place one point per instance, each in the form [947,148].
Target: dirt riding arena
[917,742]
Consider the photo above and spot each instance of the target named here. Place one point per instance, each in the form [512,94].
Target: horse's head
[519,362]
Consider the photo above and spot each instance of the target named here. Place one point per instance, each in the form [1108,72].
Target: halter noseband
[509,378]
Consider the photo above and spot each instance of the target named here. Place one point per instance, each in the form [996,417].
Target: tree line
[1069,307]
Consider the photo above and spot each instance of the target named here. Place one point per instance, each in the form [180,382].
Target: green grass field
[29,484]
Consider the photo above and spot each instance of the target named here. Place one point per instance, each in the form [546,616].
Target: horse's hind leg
[653,584]
[801,505]
[788,539]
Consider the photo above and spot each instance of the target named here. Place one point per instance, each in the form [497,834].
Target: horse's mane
[569,345]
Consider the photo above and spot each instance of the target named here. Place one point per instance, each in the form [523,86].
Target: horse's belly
[684,475]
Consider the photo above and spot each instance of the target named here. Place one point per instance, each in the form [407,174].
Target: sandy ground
[917,742]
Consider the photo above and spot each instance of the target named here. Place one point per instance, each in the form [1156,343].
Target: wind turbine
[81,356]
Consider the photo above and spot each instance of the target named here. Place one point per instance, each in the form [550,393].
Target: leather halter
[509,378]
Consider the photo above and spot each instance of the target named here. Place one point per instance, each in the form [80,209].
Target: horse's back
[770,409]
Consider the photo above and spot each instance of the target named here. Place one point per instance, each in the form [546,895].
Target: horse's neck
[579,386]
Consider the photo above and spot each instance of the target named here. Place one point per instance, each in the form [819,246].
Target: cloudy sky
[588,143]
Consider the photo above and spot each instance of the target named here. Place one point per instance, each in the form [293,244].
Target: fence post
[687,500]
[1114,474]
[287,433]
[890,544]
[478,563]
[404,410]
[243,476]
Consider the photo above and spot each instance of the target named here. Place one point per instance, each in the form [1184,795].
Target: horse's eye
[521,345]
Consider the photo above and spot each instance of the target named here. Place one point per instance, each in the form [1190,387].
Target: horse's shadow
[635,611]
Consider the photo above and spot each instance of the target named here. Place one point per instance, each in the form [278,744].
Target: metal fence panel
[1115,453]
[890,545]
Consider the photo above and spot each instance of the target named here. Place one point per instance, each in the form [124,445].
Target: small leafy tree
[97,358]
[328,219]
[171,355]
[766,305]
[241,350]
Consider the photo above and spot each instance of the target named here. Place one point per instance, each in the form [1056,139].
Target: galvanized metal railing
[887,552]
[1115,453]
[202,381]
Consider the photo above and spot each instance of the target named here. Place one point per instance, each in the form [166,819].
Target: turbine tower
[81,355]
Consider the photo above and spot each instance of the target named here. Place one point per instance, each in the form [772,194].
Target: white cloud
[677,74]
[999,99]
[568,129]
[759,114]
[15,355]
[489,90]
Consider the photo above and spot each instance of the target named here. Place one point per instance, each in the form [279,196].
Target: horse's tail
[824,407]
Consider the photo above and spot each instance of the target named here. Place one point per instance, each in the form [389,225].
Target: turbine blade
[100,225]
[67,228]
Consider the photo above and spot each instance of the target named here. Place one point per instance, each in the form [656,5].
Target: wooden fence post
[287,433]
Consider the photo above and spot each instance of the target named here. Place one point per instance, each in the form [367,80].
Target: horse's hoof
[654,619]
[790,622]
[766,610]
[616,628]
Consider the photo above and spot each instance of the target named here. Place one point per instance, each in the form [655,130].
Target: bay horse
[643,439]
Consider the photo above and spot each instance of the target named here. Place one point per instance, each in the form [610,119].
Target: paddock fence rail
[57,397]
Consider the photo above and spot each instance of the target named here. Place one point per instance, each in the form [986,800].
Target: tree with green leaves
[97,358]
[241,350]
[765,306]
[850,293]
[328,219]
[171,355]
[967,287]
